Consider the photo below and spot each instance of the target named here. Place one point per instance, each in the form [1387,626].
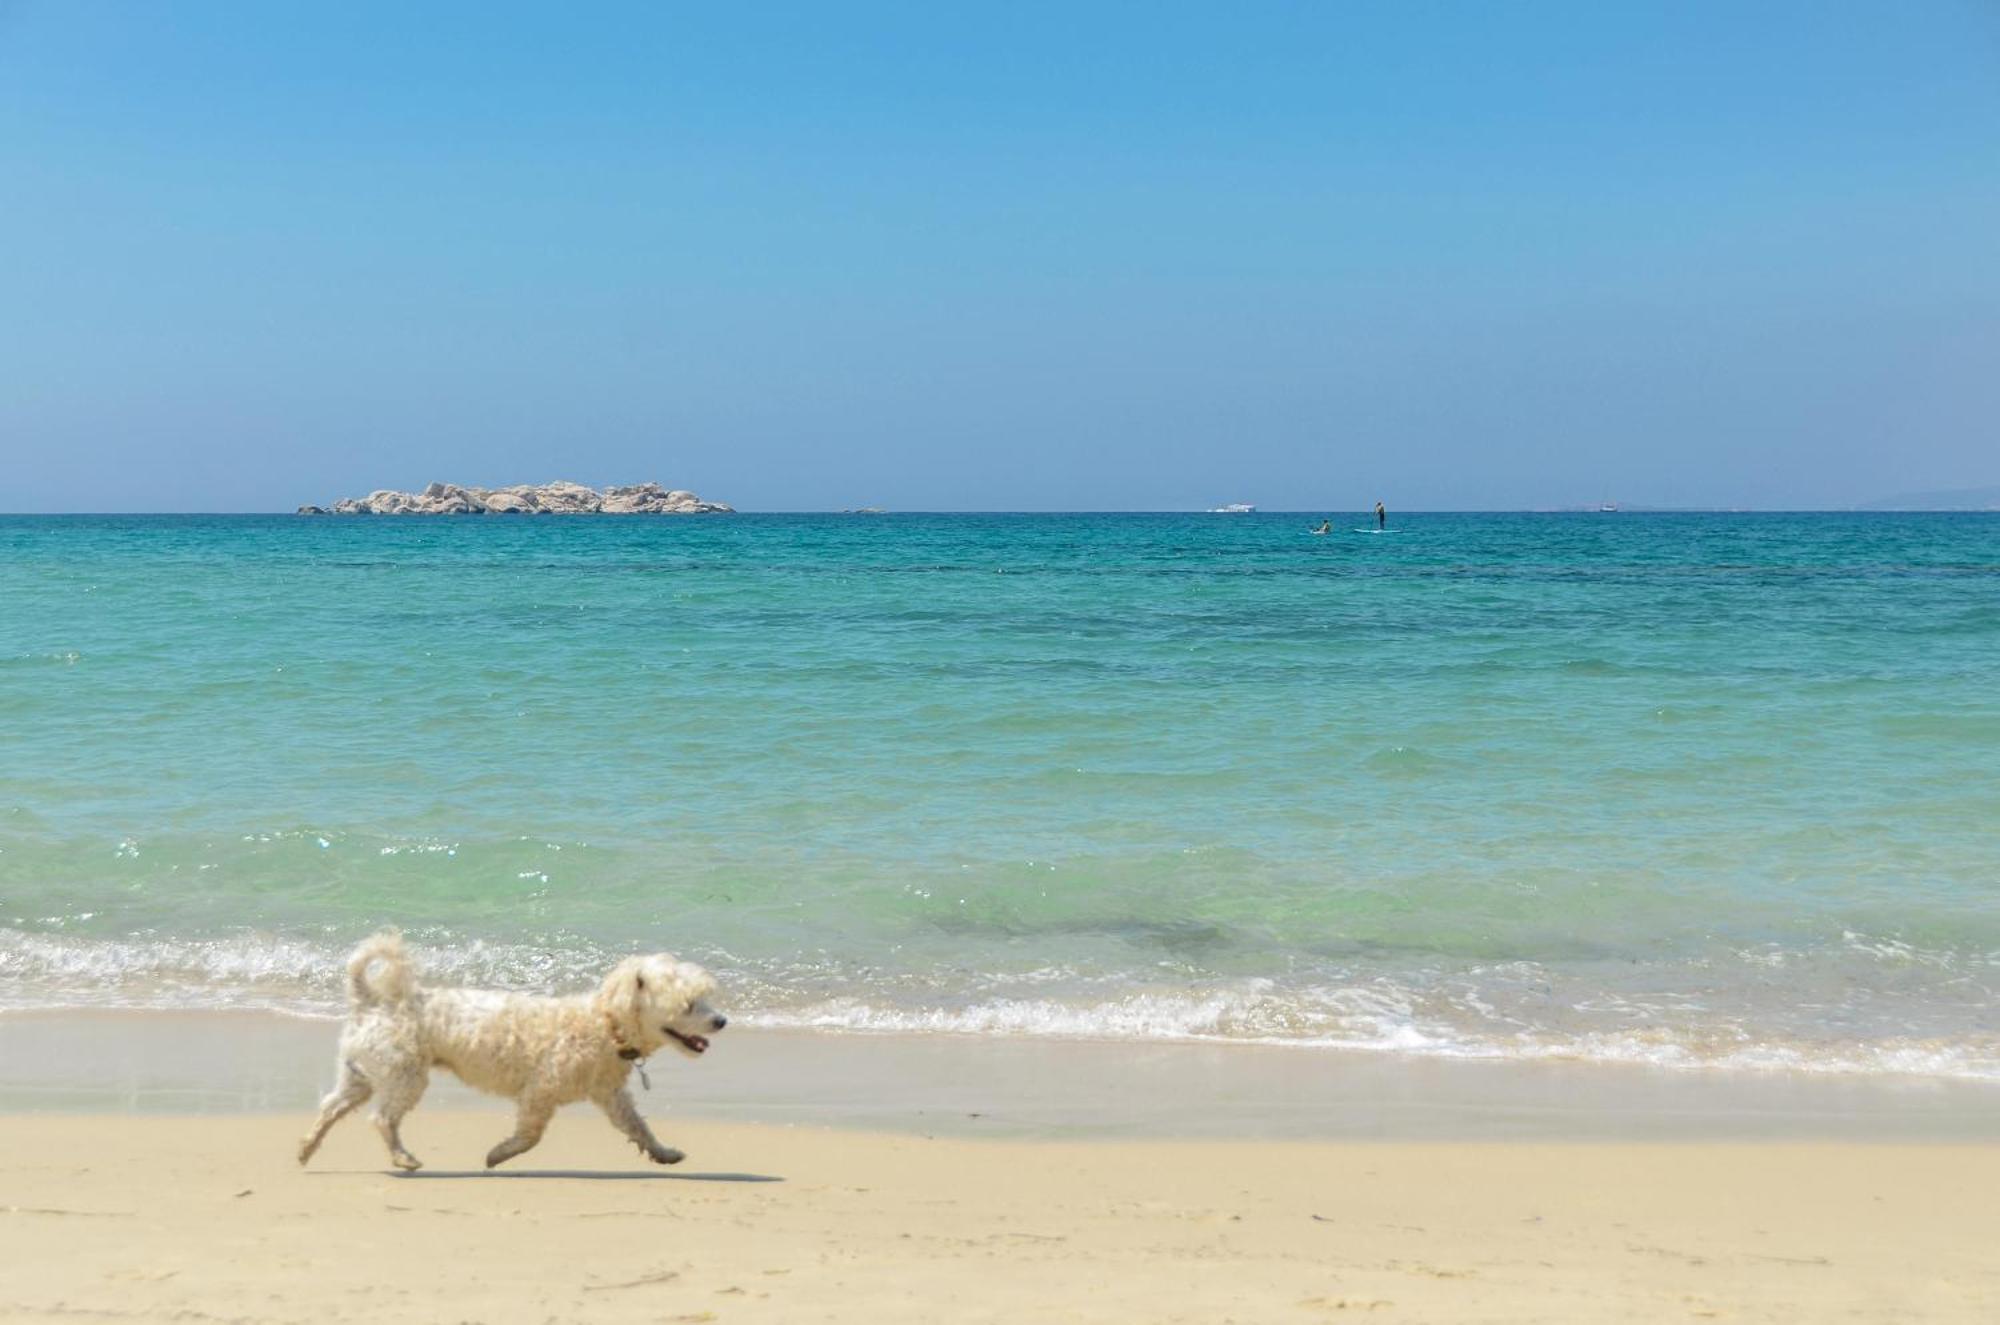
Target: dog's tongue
[698,1043]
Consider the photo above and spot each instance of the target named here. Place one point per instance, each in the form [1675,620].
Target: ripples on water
[1689,789]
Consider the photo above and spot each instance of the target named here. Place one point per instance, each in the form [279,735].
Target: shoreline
[239,1062]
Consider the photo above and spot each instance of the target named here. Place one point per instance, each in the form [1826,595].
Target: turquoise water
[1702,789]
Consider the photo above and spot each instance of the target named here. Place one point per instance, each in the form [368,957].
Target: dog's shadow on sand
[555,1175]
[585,1175]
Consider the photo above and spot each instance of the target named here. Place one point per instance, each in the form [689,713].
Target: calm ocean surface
[1701,789]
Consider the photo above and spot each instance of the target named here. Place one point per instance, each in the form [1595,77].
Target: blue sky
[1056,256]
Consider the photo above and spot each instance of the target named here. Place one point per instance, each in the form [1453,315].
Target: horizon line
[557,517]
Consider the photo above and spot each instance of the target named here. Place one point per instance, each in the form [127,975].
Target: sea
[1709,791]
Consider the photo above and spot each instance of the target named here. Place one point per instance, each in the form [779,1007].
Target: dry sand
[207,1219]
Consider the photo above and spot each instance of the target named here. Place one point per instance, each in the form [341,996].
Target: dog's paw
[405,1161]
[666,1155]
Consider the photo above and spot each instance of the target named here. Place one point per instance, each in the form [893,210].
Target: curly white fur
[541,1052]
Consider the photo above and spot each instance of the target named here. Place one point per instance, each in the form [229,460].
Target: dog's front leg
[625,1116]
[531,1119]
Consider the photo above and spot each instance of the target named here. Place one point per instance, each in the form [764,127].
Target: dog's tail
[379,972]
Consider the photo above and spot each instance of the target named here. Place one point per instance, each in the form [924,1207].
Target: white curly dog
[541,1052]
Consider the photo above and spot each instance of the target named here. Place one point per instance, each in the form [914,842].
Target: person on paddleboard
[1381,516]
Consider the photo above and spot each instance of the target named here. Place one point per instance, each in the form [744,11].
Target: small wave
[1213,1018]
[1477,1014]
[39,970]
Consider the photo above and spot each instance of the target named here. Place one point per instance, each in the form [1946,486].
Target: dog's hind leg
[399,1095]
[343,1099]
[625,1116]
[530,1121]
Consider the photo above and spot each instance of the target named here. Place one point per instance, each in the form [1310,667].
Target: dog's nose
[720,1021]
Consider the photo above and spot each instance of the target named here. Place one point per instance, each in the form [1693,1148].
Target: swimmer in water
[1325,527]
[1381,517]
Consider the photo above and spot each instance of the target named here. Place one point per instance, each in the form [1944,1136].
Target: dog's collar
[617,1036]
[625,1051]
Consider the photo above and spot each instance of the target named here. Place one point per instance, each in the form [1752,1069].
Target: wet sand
[114,1062]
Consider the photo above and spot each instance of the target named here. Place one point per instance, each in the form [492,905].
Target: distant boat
[1234,508]
[1607,506]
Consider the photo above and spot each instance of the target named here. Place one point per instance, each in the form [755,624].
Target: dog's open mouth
[696,1044]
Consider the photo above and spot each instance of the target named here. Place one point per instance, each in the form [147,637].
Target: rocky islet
[558,498]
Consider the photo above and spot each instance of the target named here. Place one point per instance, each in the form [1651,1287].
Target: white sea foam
[1456,1018]
[1202,1019]
[41,970]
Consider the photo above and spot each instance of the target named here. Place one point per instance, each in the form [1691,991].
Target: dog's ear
[620,995]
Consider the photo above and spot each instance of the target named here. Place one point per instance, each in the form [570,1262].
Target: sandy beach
[987,1180]
[151,1218]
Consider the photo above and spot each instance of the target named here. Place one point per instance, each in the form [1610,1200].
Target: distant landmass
[1945,499]
[558,498]
[1639,508]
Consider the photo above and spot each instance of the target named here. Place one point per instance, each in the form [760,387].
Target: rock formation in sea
[558,498]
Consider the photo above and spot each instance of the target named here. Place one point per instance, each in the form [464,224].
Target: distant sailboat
[1233,508]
